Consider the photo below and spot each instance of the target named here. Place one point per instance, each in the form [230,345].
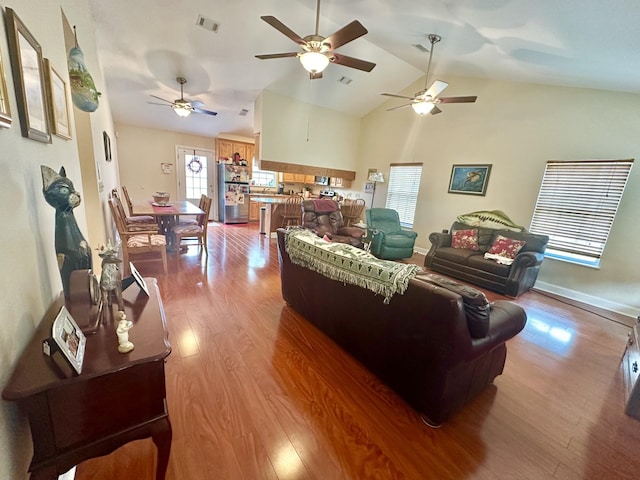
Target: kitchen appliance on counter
[281,189]
[327,194]
[321,181]
[233,193]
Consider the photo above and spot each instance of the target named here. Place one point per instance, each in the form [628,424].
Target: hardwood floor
[255,392]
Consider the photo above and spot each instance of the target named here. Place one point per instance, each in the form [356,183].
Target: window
[262,178]
[576,206]
[195,175]
[402,193]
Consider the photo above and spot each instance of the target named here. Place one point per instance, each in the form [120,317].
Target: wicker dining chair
[352,210]
[292,214]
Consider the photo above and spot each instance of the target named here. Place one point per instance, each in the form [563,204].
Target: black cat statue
[72,249]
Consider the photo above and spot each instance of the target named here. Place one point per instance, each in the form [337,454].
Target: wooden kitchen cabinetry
[309,179]
[226,148]
[254,211]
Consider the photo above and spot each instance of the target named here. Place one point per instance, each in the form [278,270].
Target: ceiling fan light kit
[314,62]
[422,107]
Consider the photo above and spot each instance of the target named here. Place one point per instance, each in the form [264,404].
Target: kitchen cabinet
[310,179]
[226,148]
[254,211]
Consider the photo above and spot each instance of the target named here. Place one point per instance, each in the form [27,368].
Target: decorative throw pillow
[506,247]
[465,239]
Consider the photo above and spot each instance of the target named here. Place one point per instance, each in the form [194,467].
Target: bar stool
[292,211]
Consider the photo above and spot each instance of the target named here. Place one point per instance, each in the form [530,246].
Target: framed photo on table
[68,338]
[28,77]
[5,110]
[469,179]
[58,99]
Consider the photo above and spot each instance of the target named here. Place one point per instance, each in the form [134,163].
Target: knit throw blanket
[348,264]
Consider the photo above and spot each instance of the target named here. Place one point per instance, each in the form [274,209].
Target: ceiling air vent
[207,24]
[421,47]
[345,80]
[243,112]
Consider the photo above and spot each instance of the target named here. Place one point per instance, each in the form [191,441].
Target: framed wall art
[58,100]
[5,110]
[107,146]
[469,179]
[28,77]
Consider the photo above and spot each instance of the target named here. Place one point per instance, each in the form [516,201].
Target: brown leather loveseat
[422,343]
[471,266]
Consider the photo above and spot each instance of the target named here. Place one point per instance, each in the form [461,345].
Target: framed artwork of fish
[469,179]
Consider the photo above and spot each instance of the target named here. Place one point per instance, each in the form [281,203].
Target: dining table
[167,216]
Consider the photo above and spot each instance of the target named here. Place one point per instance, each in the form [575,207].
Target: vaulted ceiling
[144,45]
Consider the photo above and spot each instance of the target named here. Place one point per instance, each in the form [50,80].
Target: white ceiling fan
[427,100]
[182,107]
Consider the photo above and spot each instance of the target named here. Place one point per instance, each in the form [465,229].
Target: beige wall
[517,128]
[296,132]
[141,151]
[31,279]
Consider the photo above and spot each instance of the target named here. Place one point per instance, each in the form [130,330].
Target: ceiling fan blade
[315,75]
[201,110]
[436,88]
[161,104]
[399,106]
[276,55]
[396,96]
[154,96]
[282,28]
[346,34]
[351,62]
[458,99]
[435,110]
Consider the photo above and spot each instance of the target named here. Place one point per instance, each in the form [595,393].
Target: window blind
[577,204]
[402,192]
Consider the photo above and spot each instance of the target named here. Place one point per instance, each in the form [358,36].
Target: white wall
[304,134]
[517,128]
[31,278]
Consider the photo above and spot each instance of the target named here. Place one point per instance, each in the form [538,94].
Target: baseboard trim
[617,312]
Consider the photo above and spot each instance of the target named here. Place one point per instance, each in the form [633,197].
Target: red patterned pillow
[506,247]
[465,239]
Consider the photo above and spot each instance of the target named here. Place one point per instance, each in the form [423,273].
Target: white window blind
[402,192]
[576,206]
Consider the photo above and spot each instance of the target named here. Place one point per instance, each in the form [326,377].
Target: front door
[196,175]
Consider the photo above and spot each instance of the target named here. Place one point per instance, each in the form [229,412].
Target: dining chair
[127,199]
[138,241]
[198,231]
[137,222]
[193,220]
[352,210]
[292,214]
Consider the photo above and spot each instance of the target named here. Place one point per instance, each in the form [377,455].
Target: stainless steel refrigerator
[233,193]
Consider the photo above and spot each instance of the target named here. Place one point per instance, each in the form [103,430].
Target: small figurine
[110,278]
[122,330]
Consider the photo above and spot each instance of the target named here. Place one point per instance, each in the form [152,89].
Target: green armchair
[388,240]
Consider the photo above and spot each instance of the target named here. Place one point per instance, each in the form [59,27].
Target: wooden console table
[116,399]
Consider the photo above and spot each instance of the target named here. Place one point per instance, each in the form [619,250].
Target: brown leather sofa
[325,218]
[472,267]
[420,343]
